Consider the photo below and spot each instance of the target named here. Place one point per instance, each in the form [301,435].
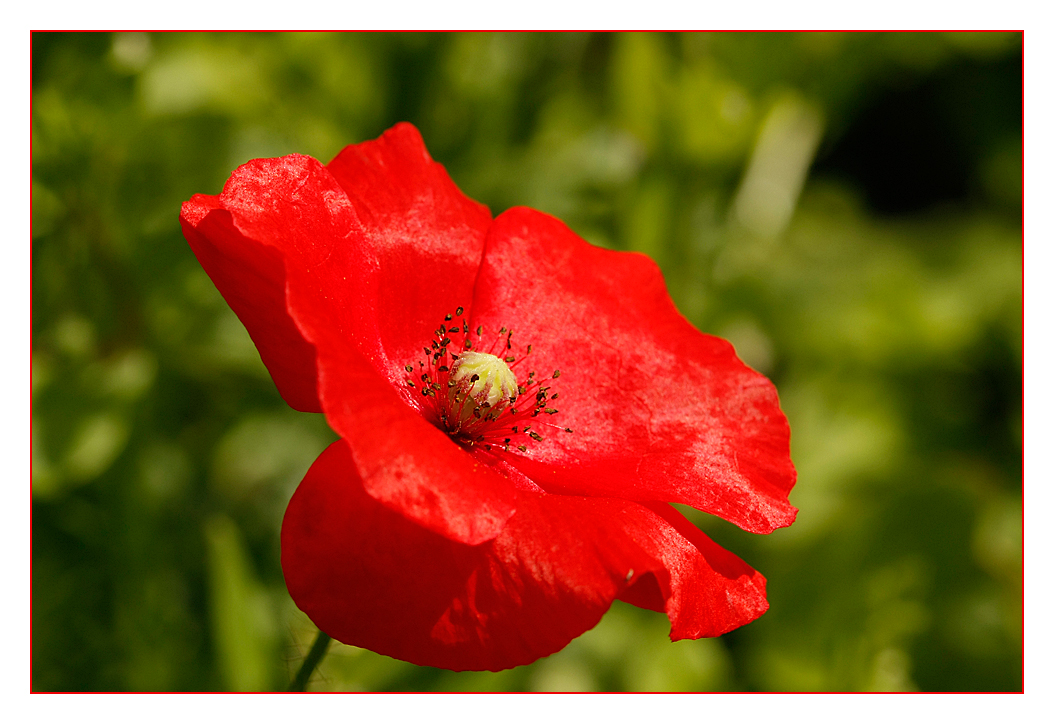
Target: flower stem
[314,656]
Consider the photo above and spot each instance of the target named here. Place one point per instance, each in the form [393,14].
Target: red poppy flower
[517,409]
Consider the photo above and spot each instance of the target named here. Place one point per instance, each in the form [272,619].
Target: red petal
[285,248]
[659,410]
[371,578]
[711,591]
[426,236]
[251,277]
[390,242]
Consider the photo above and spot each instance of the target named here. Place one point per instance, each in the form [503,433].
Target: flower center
[475,396]
[485,378]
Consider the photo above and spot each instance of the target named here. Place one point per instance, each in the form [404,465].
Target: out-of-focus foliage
[845,208]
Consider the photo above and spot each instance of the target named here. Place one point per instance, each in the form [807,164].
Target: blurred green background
[845,208]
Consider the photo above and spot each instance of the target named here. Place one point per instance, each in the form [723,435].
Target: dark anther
[515,428]
[550,411]
[555,394]
[476,413]
[455,330]
[409,368]
[510,359]
[442,330]
[444,368]
[468,344]
[536,436]
[521,448]
[556,374]
[479,331]
[473,378]
[411,384]
[567,429]
[459,311]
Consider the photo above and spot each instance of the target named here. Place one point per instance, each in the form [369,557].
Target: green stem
[314,656]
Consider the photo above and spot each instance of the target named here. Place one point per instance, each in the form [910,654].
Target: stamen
[473,395]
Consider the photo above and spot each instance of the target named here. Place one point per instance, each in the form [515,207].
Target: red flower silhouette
[517,410]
